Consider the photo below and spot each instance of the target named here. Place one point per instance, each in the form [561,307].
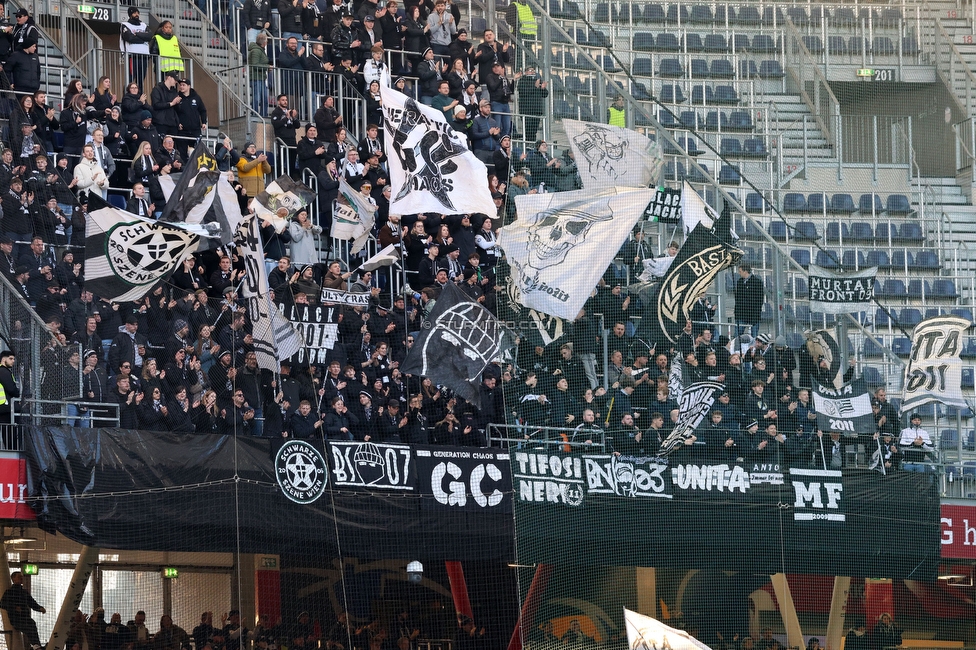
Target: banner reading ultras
[622,510]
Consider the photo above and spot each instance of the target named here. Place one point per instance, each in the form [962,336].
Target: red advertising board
[13,487]
[959,531]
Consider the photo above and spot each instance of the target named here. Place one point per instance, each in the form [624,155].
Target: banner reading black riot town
[318,329]
[186,492]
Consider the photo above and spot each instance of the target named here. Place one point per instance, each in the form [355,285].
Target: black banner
[136,490]
[846,409]
[666,206]
[699,261]
[318,327]
[465,479]
[842,292]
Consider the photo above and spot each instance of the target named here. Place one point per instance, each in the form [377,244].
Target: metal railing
[811,84]
[64,28]
[519,436]
[950,65]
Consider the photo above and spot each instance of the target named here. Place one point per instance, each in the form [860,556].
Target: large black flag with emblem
[457,342]
[202,195]
[126,255]
[705,253]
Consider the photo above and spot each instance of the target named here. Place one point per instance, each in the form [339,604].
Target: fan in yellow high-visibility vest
[522,12]
[8,385]
[167,47]
[617,113]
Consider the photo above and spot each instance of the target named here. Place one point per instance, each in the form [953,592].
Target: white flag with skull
[561,243]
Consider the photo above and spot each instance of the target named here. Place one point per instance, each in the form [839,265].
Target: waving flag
[694,404]
[431,168]
[126,255]
[646,633]
[281,200]
[934,370]
[613,155]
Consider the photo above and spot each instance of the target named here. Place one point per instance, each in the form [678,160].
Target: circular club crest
[140,254]
[301,471]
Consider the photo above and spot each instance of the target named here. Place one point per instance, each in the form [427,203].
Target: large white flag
[694,210]
[431,169]
[646,633]
[353,216]
[275,338]
[612,155]
[934,370]
[561,244]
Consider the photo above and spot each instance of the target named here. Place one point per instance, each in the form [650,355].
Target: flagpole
[881,455]
[823,455]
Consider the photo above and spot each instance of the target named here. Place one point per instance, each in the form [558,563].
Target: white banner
[613,156]
[934,370]
[646,633]
[431,169]
[561,244]
[334,296]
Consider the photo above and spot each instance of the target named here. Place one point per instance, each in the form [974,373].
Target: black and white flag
[431,168]
[561,243]
[613,155]
[463,338]
[841,292]
[646,633]
[822,346]
[318,331]
[846,409]
[934,369]
[695,403]
[665,207]
[202,195]
[275,338]
[699,261]
[126,255]
[281,200]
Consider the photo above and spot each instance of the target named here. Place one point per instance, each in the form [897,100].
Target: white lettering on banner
[345,297]
[816,498]
[720,478]
[456,494]
[549,479]
[625,476]
[370,465]
[7,493]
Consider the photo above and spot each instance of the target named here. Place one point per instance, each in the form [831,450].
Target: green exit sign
[865,72]
[170,572]
[86,9]
[29,569]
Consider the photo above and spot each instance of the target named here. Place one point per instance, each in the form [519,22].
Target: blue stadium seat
[640,92]
[729,175]
[644,67]
[776,229]
[882,46]
[748,15]
[748,69]
[843,17]
[852,259]
[772,16]
[805,231]
[690,146]
[798,15]
[910,317]
[872,350]
[911,232]
[885,232]
[713,119]
[699,92]
[754,148]
[963,312]
[693,42]
[800,289]
[569,60]
[828,259]
[861,232]
[763,44]
[813,44]
[749,231]
[621,14]
[817,202]
[701,14]
[741,43]
[716,44]
[721,69]
[117,200]
[949,438]
[900,259]
[674,171]
[669,68]
[768,313]
[668,120]
[858,46]
[915,289]
[879,259]
[723,13]
[841,203]
[652,14]
[881,318]
[872,377]
[894,288]
[901,346]
[574,85]
[731,147]
[675,12]
[794,202]
[836,45]
[561,109]
[610,64]
[641,120]
[969,349]
[801,256]
[909,46]
[867,201]
[645,42]
[833,232]
[771,69]
[890,16]
[725,95]
[740,121]
[689,119]
[672,94]
[899,204]
[967,378]
[925,260]
[944,288]
[699,69]
[602,13]
[556,36]
[598,39]
[697,176]
[754,203]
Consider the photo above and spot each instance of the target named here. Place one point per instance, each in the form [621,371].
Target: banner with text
[465,479]
[318,328]
[337,297]
[840,292]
